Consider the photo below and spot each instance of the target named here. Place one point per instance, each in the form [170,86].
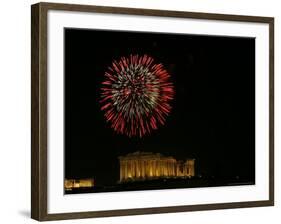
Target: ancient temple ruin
[148,165]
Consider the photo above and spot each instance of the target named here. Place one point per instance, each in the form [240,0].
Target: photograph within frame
[148,111]
[48,201]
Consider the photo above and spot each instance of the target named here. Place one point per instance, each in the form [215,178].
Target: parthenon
[148,165]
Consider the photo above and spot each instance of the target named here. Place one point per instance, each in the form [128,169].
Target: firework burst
[136,95]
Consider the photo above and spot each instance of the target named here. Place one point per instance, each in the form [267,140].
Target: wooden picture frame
[39,109]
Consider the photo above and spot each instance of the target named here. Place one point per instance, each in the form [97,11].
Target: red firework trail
[136,95]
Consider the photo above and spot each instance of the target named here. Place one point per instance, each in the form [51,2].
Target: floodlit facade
[70,184]
[148,165]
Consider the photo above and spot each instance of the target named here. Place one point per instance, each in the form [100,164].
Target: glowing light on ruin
[70,184]
[147,165]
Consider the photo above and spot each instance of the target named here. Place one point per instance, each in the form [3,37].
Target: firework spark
[136,95]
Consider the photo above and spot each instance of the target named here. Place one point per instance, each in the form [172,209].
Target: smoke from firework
[136,95]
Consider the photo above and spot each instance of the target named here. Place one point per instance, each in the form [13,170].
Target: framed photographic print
[138,111]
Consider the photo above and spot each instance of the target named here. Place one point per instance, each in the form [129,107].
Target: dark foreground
[165,183]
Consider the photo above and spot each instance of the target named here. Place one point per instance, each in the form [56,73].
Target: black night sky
[213,115]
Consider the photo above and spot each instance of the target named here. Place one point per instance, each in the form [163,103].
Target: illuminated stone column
[146,168]
[178,170]
[192,168]
[184,170]
[154,168]
[166,167]
[121,170]
[137,168]
[173,168]
[162,168]
[157,167]
[170,168]
[129,169]
[142,169]
[133,169]
[151,168]
[125,169]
